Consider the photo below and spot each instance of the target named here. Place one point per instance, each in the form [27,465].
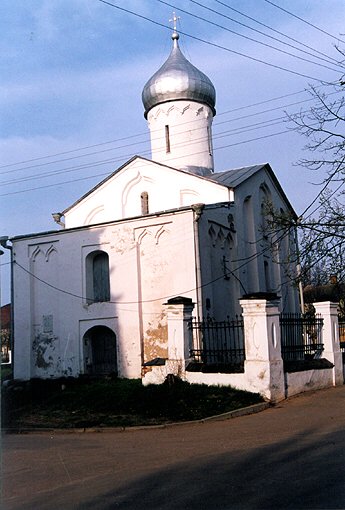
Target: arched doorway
[100,351]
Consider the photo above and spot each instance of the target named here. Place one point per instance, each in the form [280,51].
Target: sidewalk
[288,456]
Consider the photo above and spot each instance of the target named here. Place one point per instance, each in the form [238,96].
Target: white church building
[91,297]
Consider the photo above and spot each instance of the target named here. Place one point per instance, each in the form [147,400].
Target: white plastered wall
[51,312]
[254,250]
[181,134]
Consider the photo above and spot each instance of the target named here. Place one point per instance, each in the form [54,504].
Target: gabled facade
[141,187]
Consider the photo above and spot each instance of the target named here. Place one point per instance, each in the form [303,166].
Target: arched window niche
[265,205]
[100,351]
[97,277]
[144,199]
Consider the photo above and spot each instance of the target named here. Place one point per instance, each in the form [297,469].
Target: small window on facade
[100,278]
[144,198]
[209,138]
[167,139]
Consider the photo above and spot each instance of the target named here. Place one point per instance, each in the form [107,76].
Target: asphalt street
[289,456]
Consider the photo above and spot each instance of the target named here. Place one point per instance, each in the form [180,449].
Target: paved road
[289,456]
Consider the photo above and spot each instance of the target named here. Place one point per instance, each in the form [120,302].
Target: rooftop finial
[174,19]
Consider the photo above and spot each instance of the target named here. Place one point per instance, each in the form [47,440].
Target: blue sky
[72,75]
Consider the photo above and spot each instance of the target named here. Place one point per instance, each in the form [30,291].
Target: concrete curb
[244,411]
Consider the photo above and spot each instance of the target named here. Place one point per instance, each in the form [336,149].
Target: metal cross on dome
[174,20]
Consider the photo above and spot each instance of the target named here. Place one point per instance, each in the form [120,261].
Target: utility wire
[327,182]
[161,298]
[85,298]
[91,165]
[124,156]
[216,136]
[320,205]
[221,134]
[107,173]
[70,151]
[108,161]
[304,21]
[327,59]
[242,35]
[275,109]
[219,46]
[252,105]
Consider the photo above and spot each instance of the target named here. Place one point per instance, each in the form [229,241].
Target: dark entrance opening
[100,351]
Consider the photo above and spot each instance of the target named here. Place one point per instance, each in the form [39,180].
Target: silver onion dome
[178,79]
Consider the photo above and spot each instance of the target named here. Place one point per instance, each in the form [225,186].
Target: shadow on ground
[304,472]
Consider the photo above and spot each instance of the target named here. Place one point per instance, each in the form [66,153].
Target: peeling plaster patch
[156,340]
[44,346]
[41,344]
[122,240]
[262,374]
[67,371]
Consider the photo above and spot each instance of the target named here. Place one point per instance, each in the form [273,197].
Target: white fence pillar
[263,365]
[330,338]
[179,313]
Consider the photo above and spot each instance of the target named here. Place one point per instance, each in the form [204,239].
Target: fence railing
[301,337]
[218,342]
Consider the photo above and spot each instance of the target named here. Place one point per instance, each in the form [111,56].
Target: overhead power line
[242,35]
[107,173]
[69,151]
[135,302]
[325,186]
[305,21]
[144,133]
[163,298]
[327,59]
[276,108]
[124,157]
[219,46]
[216,136]
[127,156]
[268,123]
[267,101]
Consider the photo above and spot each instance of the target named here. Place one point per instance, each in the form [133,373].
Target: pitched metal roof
[232,178]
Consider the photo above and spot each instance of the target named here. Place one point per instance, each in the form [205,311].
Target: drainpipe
[3,243]
[198,210]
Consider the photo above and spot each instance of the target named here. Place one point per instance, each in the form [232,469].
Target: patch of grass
[120,402]
[6,372]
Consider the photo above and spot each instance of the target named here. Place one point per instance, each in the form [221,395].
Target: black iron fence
[218,342]
[301,337]
[222,342]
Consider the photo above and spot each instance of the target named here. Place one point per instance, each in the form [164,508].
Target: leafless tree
[321,228]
